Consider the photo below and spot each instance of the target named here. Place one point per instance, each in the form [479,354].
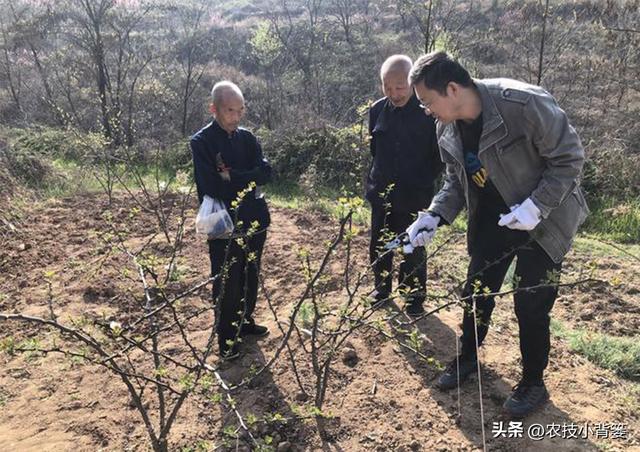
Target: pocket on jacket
[522,164]
[512,145]
[569,215]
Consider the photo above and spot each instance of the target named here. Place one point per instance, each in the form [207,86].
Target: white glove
[523,217]
[423,229]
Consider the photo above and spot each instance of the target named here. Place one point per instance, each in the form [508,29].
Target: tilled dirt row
[381,395]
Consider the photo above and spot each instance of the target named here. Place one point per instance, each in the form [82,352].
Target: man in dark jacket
[228,160]
[405,165]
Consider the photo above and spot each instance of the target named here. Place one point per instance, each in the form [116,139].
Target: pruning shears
[402,240]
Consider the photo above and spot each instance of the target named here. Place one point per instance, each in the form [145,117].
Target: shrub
[619,354]
[52,143]
[612,170]
[36,157]
[26,165]
[176,156]
[326,157]
[619,219]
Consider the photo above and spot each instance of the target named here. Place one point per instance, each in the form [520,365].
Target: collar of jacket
[411,104]
[383,118]
[218,129]
[494,128]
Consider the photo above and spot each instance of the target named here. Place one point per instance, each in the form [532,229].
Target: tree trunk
[542,41]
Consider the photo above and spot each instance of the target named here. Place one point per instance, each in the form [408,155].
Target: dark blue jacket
[405,153]
[239,151]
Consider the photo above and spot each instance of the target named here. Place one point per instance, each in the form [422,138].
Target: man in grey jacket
[514,161]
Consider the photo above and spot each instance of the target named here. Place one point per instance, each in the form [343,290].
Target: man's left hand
[523,217]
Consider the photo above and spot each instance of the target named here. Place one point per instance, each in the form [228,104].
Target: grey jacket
[529,149]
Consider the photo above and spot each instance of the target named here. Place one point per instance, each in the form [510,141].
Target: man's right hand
[423,229]
[223,170]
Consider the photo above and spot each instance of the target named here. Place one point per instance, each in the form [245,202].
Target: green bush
[613,171]
[53,143]
[177,156]
[29,167]
[619,354]
[616,218]
[328,157]
[38,157]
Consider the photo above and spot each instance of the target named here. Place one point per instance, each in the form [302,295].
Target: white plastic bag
[213,219]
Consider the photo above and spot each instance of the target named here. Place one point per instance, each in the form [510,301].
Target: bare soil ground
[385,399]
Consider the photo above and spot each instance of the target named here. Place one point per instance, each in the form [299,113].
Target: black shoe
[414,309]
[380,304]
[229,352]
[251,329]
[381,300]
[525,399]
[449,378]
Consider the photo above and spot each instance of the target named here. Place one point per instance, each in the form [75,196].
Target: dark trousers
[237,290]
[490,259]
[385,226]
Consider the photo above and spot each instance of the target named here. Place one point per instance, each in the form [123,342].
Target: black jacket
[405,153]
[239,151]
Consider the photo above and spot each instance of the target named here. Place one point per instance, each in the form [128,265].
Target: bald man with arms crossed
[226,159]
[405,164]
